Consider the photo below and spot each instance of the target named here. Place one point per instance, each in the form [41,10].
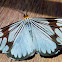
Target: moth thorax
[28,26]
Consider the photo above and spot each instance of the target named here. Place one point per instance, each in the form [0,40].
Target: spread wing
[47,35]
[16,42]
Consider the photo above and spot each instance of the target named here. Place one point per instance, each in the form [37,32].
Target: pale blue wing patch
[0,40]
[3,47]
[59,22]
[1,34]
[58,32]
[41,20]
[42,39]
[14,25]
[59,40]
[43,24]
[23,46]
[14,30]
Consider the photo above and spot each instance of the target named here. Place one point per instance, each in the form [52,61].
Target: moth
[24,38]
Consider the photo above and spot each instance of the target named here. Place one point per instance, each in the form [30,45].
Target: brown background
[12,11]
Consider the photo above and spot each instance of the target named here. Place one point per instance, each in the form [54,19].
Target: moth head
[26,16]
